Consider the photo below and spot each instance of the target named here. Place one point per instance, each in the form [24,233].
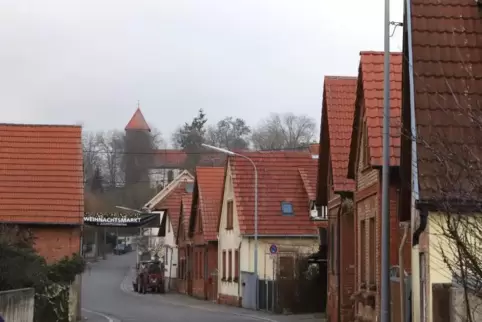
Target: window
[372,252]
[229,219]
[224,265]
[168,224]
[363,250]
[189,187]
[287,208]
[230,265]
[236,265]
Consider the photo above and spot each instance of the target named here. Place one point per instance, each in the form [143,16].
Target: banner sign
[118,219]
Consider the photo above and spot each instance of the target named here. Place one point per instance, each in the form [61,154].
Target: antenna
[138,104]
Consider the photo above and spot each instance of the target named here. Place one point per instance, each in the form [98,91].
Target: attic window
[286,208]
[189,187]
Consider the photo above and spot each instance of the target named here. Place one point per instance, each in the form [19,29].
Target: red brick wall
[54,243]
[347,265]
[229,300]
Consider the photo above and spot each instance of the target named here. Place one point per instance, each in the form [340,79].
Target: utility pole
[385,292]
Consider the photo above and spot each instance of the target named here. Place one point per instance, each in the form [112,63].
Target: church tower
[138,148]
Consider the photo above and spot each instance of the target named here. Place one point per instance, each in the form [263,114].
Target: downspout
[401,264]
[239,269]
[414,167]
[338,253]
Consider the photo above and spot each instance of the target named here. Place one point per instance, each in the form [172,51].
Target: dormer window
[287,208]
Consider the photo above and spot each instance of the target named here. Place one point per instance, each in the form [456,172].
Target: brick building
[207,194]
[41,185]
[335,190]
[185,249]
[365,164]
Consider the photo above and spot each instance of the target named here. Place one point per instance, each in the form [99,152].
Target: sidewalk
[182,299]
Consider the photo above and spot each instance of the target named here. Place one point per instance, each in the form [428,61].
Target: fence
[17,305]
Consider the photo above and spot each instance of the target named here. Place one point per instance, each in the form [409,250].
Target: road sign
[273,249]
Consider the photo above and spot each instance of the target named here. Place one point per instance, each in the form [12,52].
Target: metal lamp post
[385,289]
[255,262]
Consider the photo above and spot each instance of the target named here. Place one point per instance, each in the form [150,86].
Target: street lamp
[231,153]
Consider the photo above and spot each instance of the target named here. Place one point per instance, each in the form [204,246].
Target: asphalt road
[107,296]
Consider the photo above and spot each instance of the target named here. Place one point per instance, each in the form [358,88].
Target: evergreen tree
[190,137]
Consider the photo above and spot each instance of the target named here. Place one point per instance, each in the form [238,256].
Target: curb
[124,289]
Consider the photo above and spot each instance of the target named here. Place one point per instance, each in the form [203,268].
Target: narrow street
[107,296]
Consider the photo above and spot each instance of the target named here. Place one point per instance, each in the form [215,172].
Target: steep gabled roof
[41,174]
[184,216]
[209,190]
[339,94]
[279,180]
[370,99]
[447,65]
[138,122]
[184,176]
[171,204]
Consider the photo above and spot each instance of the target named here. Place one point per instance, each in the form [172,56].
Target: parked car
[120,249]
[128,248]
[149,277]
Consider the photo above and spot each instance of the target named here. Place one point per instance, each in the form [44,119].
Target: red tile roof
[41,174]
[279,180]
[209,181]
[186,201]
[370,95]
[138,122]
[172,204]
[314,149]
[447,89]
[339,94]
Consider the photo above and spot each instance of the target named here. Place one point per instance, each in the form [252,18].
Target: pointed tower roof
[138,122]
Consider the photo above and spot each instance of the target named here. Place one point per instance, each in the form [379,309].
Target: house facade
[440,155]
[365,163]
[184,244]
[285,194]
[168,202]
[335,193]
[41,185]
[207,194]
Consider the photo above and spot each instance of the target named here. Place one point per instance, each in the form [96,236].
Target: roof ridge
[334,77]
[372,52]
[41,125]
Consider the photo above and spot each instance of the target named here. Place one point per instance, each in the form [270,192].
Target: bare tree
[91,154]
[284,131]
[230,133]
[111,146]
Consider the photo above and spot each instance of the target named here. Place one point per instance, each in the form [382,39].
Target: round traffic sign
[273,249]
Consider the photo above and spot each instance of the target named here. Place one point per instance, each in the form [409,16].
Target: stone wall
[17,305]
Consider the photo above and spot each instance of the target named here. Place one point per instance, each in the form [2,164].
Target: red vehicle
[149,277]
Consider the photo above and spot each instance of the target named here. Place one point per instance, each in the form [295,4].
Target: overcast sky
[90,61]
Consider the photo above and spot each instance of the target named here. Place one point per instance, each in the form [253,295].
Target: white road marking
[108,318]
